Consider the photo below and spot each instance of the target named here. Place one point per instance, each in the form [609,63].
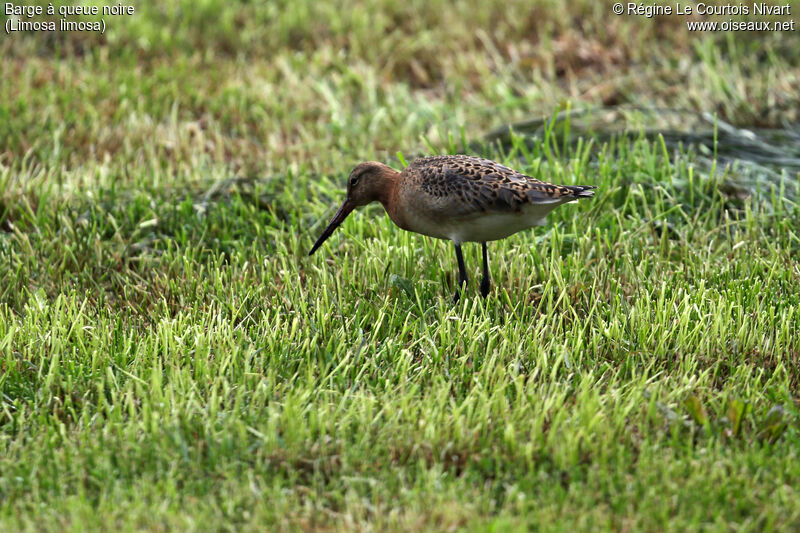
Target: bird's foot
[486,284]
[457,294]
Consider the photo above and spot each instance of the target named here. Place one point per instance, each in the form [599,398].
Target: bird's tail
[582,191]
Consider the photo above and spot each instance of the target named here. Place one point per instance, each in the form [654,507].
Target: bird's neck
[390,196]
[387,192]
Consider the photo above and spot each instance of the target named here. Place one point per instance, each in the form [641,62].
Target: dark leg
[486,281]
[462,271]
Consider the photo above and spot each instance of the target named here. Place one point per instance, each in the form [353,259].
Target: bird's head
[368,182]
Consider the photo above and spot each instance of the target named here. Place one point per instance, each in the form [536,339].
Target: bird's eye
[353,181]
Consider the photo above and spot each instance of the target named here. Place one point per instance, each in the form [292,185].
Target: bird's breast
[440,219]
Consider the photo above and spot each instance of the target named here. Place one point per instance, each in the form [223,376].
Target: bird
[459,198]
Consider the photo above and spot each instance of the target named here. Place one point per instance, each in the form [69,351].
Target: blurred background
[259,88]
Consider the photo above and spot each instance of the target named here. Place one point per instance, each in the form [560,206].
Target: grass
[170,358]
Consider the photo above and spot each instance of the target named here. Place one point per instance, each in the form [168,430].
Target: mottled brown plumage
[455,197]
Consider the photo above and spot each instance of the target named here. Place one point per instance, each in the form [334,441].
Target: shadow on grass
[754,160]
[117,243]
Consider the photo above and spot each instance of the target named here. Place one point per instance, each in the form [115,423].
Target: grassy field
[171,359]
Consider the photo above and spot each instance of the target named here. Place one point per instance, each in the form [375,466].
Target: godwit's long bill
[455,197]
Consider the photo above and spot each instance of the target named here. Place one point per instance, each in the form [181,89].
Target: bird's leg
[462,271]
[486,281]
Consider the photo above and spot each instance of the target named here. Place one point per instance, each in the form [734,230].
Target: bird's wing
[471,185]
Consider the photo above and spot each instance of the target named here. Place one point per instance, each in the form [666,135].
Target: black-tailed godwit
[455,197]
